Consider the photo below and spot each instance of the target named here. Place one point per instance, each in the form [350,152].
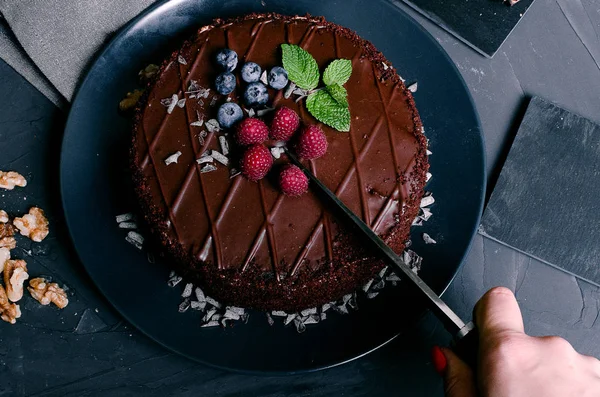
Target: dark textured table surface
[88,350]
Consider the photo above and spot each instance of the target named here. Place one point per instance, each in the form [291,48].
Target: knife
[465,336]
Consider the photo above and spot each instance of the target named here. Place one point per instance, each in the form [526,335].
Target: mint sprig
[338,93]
[338,72]
[301,66]
[327,110]
[329,105]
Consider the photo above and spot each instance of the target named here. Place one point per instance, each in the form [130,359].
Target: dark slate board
[546,201]
[483,25]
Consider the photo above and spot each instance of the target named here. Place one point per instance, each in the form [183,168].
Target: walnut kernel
[10,179]
[8,242]
[4,217]
[4,256]
[45,292]
[15,274]
[148,72]
[130,100]
[7,232]
[33,225]
[9,312]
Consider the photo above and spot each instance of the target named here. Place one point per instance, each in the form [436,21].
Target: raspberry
[312,143]
[251,131]
[292,181]
[256,162]
[285,123]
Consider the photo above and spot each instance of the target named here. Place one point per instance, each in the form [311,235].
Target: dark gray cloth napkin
[51,42]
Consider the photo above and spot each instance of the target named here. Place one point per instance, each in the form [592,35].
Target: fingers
[498,312]
[458,378]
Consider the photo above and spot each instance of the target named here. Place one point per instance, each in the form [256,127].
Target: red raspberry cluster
[257,159]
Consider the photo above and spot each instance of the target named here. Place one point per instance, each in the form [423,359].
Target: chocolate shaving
[184,305]
[276,152]
[219,157]
[208,168]
[270,319]
[427,200]
[201,137]
[135,238]
[128,225]
[173,158]
[224,145]
[205,159]
[213,125]
[367,286]
[300,327]
[428,240]
[174,279]
[289,319]
[187,291]
[181,60]
[172,103]
[289,90]
[124,217]
[200,297]
[306,312]
[209,314]
[213,302]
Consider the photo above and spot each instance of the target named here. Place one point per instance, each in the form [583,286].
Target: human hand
[513,364]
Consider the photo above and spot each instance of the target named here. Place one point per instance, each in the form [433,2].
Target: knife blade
[451,321]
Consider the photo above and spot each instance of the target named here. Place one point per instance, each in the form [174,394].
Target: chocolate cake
[246,243]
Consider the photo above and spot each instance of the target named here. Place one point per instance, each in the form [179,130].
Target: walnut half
[131,100]
[15,274]
[9,312]
[45,292]
[33,225]
[4,217]
[4,257]
[10,179]
[7,232]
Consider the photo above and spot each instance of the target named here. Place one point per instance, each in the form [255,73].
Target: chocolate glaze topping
[246,243]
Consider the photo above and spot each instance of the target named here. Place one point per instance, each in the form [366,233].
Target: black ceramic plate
[95,188]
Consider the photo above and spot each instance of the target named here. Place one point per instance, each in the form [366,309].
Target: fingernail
[439,360]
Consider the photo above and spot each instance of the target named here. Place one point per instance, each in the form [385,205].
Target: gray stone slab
[545,203]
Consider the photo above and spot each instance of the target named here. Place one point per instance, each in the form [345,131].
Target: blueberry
[256,94]
[225,83]
[251,72]
[229,114]
[227,59]
[278,78]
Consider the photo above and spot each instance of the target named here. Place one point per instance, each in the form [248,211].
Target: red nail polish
[439,360]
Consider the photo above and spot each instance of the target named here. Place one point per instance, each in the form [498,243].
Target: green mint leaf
[301,66]
[338,72]
[338,93]
[328,111]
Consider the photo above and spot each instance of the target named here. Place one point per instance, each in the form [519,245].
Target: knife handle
[466,344]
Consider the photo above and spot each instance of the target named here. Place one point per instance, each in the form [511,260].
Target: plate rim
[68,220]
